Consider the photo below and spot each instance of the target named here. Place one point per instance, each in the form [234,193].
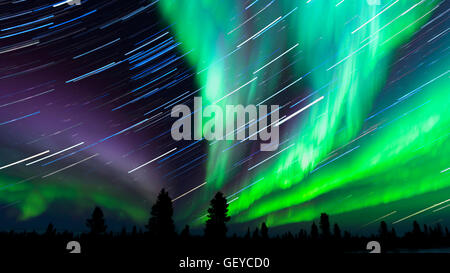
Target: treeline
[160,231]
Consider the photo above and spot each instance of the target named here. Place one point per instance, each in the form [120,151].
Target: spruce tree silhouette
[425,230]
[324,225]
[393,234]
[96,223]
[185,233]
[51,231]
[438,233]
[302,234]
[264,231]
[314,231]
[255,234]
[247,235]
[217,217]
[416,232]
[383,231]
[160,225]
[347,235]
[337,231]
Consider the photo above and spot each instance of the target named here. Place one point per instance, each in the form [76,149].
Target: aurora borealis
[94,85]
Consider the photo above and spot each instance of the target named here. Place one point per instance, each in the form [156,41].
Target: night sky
[86,93]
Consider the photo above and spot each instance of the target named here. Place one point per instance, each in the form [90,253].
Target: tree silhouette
[288,236]
[439,229]
[425,230]
[347,235]
[383,231]
[437,232]
[96,223]
[302,234]
[324,225]
[217,217]
[393,234]
[247,235]
[160,225]
[185,233]
[51,231]
[123,233]
[314,231]
[416,232]
[337,231]
[264,231]
[256,234]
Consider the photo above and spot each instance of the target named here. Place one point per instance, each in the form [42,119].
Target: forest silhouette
[160,238]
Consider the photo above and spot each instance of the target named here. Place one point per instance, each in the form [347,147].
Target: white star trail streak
[299,111]
[154,159]
[380,218]
[70,166]
[420,211]
[257,33]
[237,89]
[188,192]
[287,51]
[277,153]
[373,18]
[57,153]
[23,160]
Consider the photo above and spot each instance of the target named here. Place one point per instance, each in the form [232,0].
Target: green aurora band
[36,196]
[351,58]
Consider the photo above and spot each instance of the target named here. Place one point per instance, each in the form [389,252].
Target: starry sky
[86,93]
